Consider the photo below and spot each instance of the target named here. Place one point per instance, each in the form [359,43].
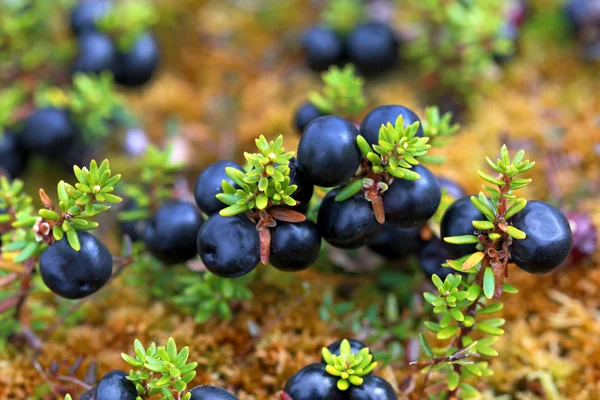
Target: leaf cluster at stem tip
[349,367]
[266,183]
[161,370]
[342,93]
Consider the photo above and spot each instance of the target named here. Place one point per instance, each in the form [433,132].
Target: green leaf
[489,283]
[468,392]
[425,346]
[28,252]
[234,210]
[349,191]
[73,239]
[489,329]
[49,214]
[453,380]
[515,233]
[483,225]
[483,207]
[515,208]
[464,239]
[447,332]
[262,201]
[492,308]
[363,145]
[457,314]
[508,288]
[491,179]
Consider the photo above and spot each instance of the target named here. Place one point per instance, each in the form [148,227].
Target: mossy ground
[230,74]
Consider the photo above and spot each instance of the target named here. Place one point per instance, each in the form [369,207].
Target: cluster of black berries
[322,380]
[294,246]
[372,47]
[584,19]
[547,245]
[98,52]
[115,386]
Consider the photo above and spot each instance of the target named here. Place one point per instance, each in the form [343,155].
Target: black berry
[211,393]
[452,189]
[371,123]
[13,158]
[457,221]
[229,246]
[305,115]
[372,388]
[328,151]
[323,48]
[137,66]
[372,48]
[115,385]
[97,53]
[304,192]
[431,256]
[549,239]
[86,13]
[89,395]
[313,382]
[170,235]
[410,204]
[48,131]
[346,224]
[208,185]
[294,246]
[355,347]
[76,274]
[394,243]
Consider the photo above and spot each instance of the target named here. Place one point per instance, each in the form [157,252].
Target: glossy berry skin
[13,159]
[86,13]
[382,115]
[211,393]
[137,66]
[97,53]
[323,48]
[409,204]
[208,185]
[451,188]
[346,224]
[372,48]
[115,385]
[305,114]
[304,192]
[457,221]
[549,239]
[355,347]
[76,274]
[229,246]
[170,235]
[313,382]
[48,131]
[395,243]
[431,256]
[328,151]
[372,388]
[294,246]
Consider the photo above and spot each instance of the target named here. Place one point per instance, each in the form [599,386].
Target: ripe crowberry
[48,131]
[229,246]
[382,115]
[208,185]
[372,48]
[431,256]
[97,53]
[313,382]
[76,274]
[115,385]
[211,393]
[305,115]
[457,221]
[346,224]
[395,243]
[410,204]
[137,66]
[294,246]
[86,13]
[304,192]
[323,48]
[328,151]
[372,388]
[13,159]
[549,239]
[170,235]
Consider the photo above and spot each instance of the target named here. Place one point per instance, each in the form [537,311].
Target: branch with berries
[484,233]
